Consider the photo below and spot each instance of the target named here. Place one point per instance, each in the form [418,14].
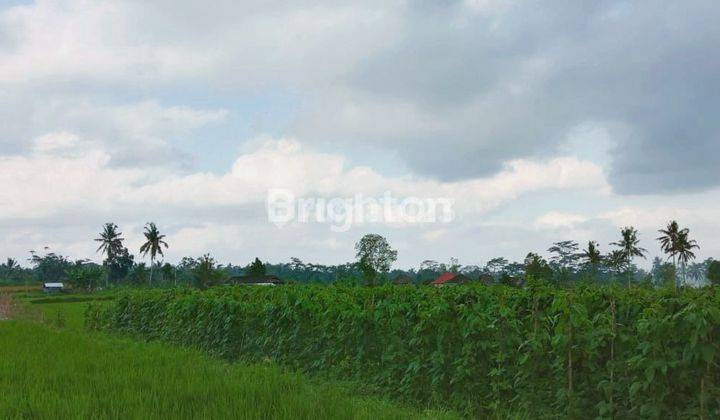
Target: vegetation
[608,352]
[154,242]
[374,256]
[50,374]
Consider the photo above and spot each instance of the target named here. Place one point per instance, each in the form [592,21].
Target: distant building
[53,287]
[451,278]
[403,279]
[267,280]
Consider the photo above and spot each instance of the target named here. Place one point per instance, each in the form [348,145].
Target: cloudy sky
[542,120]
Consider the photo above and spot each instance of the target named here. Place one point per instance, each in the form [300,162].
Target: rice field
[50,371]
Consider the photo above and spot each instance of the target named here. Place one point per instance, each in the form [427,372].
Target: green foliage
[256,268]
[206,273]
[605,352]
[69,374]
[713,273]
[50,267]
[86,277]
[374,256]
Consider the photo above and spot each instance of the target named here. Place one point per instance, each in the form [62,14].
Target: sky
[540,121]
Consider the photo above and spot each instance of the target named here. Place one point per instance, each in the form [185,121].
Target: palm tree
[110,241]
[684,249]
[592,254]
[153,245]
[11,264]
[669,239]
[110,244]
[629,245]
[675,242]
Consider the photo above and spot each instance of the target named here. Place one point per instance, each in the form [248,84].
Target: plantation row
[606,352]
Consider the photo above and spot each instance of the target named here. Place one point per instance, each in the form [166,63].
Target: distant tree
[154,242]
[256,268]
[537,268]
[629,246]
[50,267]
[111,245]
[617,262]
[592,255]
[713,273]
[496,266]
[206,273]
[663,273]
[374,256]
[111,241]
[669,239]
[85,276]
[454,266]
[565,255]
[684,249]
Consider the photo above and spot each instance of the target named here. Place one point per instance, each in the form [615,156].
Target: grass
[68,373]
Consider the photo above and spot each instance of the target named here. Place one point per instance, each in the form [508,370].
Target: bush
[600,351]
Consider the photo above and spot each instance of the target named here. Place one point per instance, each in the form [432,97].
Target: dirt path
[6,307]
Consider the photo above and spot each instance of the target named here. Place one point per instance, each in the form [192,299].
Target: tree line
[567,264]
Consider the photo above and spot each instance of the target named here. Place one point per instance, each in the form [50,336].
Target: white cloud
[557,220]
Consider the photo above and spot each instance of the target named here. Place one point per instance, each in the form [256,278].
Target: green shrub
[605,352]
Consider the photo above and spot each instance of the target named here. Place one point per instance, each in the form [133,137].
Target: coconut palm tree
[110,241]
[153,245]
[669,239]
[628,245]
[11,264]
[592,254]
[111,244]
[684,249]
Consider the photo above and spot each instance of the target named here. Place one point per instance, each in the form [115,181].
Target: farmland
[55,369]
[608,352]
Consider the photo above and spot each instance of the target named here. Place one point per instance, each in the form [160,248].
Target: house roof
[445,278]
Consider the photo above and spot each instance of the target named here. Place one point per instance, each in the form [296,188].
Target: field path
[5,306]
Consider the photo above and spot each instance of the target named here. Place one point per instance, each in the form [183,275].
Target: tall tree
[675,242]
[374,256]
[669,239]
[111,241]
[629,246]
[154,242]
[684,248]
[592,255]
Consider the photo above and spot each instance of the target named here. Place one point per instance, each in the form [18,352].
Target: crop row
[605,352]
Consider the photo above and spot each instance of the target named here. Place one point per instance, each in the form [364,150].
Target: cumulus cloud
[572,119]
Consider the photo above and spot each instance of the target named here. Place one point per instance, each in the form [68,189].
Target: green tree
[684,248]
[206,273]
[629,247]
[713,273]
[111,245]
[50,267]
[537,268]
[374,256]
[154,242]
[85,276]
[256,268]
[592,255]
[675,242]
[669,239]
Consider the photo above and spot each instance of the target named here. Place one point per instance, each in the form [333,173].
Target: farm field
[61,371]
[605,352]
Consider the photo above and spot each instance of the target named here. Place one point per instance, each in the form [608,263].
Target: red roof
[444,278]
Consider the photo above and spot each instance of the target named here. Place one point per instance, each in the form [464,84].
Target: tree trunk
[152,268]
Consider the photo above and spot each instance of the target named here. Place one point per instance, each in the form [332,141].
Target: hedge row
[589,351]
